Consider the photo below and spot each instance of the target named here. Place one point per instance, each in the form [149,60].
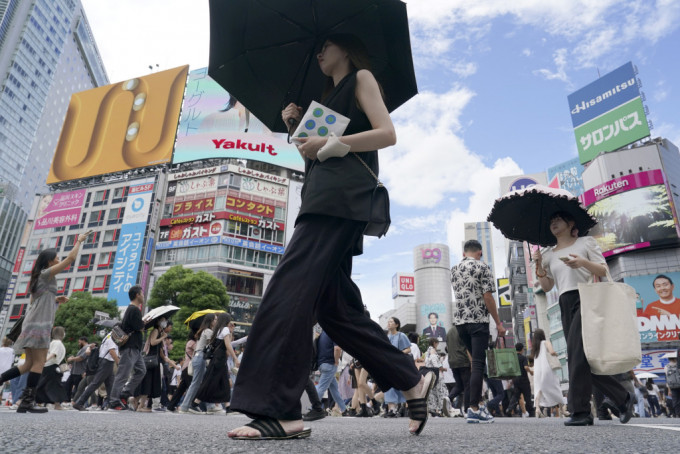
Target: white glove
[333,149]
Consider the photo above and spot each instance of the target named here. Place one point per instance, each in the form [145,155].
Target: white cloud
[596,28]
[527,52]
[133,35]
[560,59]
[661,91]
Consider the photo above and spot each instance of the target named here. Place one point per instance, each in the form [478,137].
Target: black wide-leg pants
[581,379]
[312,283]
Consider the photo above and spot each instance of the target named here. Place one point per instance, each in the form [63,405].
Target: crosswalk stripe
[653,426]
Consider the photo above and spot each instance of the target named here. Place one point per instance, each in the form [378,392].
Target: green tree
[76,317]
[191,291]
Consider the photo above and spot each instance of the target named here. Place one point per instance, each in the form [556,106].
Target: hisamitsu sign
[608,113]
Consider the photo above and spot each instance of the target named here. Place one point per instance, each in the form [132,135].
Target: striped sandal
[270,429]
[417,408]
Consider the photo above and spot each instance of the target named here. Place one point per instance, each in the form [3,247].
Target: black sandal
[270,429]
[417,408]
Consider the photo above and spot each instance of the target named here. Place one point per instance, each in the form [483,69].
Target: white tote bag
[609,326]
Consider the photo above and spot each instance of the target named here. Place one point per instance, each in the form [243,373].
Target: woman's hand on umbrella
[291,112]
[537,257]
[310,146]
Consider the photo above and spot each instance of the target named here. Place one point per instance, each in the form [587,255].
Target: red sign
[407,284]
[141,188]
[248,206]
[192,206]
[209,217]
[20,258]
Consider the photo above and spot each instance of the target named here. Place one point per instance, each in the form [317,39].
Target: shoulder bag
[119,336]
[379,215]
[554,363]
[13,334]
[611,339]
[502,362]
[151,361]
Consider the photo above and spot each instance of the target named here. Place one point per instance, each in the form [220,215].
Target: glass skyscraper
[47,52]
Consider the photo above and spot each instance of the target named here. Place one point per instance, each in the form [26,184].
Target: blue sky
[493,76]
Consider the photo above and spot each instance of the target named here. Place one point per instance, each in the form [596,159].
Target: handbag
[554,363]
[62,368]
[13,334]
[190,369]
[379,214]
[611,340]
[151,361]
[502,362]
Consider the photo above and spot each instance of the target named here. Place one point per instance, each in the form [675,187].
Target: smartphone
[565,259]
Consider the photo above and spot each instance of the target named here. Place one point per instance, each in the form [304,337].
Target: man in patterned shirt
[473,286]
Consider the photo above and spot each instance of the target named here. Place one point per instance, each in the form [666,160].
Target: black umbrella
[523,214]
[263,52]
[107,323]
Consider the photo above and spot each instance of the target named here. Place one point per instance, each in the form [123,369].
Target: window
[53,243]
[34,246]
[80,284]
[22,288]
[115,215]
[70,242]
[96,218]
[119,194]
[100,284]
[86,262]
[106,260]
[100,197]
[110,237]
[27,267]
[17,311]
[92,241]
[63,285]
[79,226]
[167,210]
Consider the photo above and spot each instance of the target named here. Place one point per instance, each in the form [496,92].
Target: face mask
[164,325]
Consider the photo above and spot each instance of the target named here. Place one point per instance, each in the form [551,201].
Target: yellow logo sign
[119,127]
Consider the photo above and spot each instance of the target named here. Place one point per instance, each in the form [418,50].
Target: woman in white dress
[547,392]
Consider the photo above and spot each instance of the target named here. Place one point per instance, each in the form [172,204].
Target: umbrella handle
[291,127]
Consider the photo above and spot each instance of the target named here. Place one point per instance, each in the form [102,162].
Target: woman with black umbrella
[571,261]
[313,281]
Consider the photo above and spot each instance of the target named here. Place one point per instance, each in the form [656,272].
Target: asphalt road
[127,432]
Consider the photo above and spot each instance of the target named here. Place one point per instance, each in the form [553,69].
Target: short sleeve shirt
[78,367]
[105,349]
[399,340]
[567,279]
[471,279]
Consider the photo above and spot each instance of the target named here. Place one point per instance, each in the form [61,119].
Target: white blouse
[567,279]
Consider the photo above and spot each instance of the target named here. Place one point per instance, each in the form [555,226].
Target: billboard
[515,182]
[504,294]
[130,242]
[633,212]
[120,126]
[653,361]
[403,284]
[215,125]
[59,209]
[568,176]
[608,113]
[658,307]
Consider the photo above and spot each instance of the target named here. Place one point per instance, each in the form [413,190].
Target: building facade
[47,52]
[481,231]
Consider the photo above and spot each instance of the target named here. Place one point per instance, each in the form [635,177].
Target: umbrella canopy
[644,375]
[161,311]
[263,52]
[523,214]
[108,323]
[194,321]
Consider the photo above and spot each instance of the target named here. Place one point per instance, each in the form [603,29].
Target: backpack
[92,361]
[672,376]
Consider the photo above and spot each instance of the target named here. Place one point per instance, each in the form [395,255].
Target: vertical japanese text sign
[130,242]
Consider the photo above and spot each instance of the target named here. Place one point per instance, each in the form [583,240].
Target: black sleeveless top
[341,187]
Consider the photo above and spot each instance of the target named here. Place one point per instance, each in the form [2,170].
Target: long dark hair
[205,324]
[539,336]
[41,263]
[356,52]
[222,321]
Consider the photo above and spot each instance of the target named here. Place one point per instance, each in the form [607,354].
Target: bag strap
[368,168]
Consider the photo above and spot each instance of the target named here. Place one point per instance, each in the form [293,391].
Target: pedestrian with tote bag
[573,260]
